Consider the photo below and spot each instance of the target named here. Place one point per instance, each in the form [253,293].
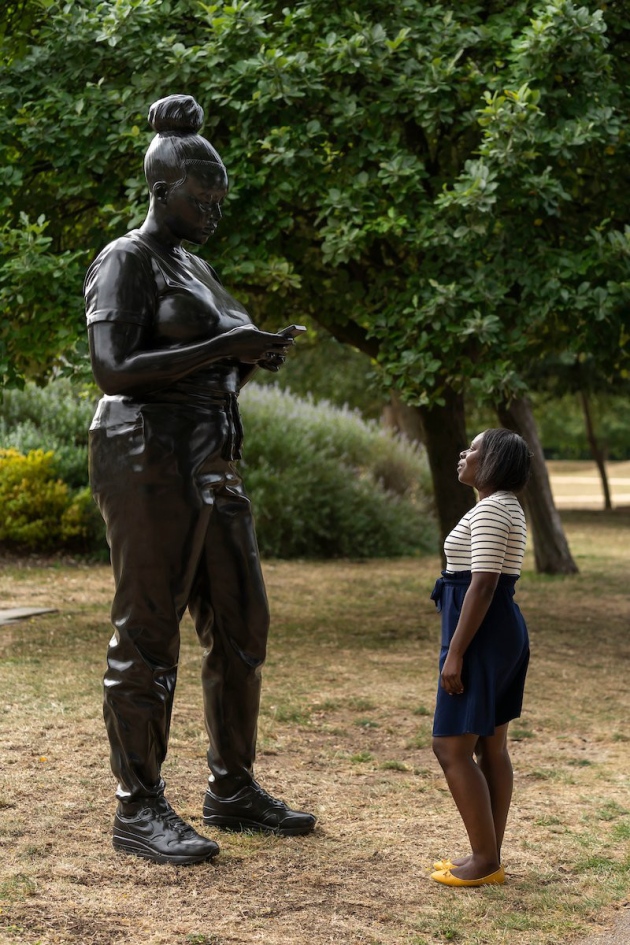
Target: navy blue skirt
[495,663]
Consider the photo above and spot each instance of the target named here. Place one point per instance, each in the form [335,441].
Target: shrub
[55,418]
[38,511]
[32,499]
[325,483]
[82,527]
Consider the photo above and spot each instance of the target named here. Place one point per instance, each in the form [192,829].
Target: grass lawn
[345,732]
[576,484]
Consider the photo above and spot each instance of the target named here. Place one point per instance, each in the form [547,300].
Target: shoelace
[271,801]
[171,819]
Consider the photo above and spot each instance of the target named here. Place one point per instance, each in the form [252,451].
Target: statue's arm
[123,363]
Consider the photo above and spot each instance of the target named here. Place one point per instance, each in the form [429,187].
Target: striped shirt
[491,537]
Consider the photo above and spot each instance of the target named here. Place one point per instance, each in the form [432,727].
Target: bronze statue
[170,349]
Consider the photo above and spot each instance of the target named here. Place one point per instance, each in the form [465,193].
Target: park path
[617,934]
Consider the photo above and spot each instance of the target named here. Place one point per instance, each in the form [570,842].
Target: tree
[21,17]
[579,377]
[436,186]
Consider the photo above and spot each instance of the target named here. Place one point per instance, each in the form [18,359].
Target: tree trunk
[551,549]
[445,437]
[399,416]
[596,450]
[442,431]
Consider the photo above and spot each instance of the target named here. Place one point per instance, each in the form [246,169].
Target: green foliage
[81,525]
[437,184]
[37,511]
[322,368]
[41,312]
[563,431]
[45,502]
[55,418]
[32,499]
[325,483]
[561,424]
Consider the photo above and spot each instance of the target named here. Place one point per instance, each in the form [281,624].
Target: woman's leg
[494,761]
[470,791]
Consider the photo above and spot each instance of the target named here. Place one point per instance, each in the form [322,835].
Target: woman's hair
[176,146]
[504,461]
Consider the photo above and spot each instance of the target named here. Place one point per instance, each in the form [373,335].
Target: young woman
[170,349]
[485,652]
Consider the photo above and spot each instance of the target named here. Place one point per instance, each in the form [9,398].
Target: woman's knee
[445,750]
[491,749]
[453,749]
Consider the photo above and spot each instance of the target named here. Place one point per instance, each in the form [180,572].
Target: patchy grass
[345,732]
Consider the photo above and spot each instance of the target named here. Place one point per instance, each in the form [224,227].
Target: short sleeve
[120,285]
[489,532]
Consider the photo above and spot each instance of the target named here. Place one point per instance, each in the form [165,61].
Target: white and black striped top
[491,537]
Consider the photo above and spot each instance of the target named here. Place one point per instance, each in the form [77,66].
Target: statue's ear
[160,191]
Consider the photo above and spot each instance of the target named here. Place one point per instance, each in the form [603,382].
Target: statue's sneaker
[252,808]
[157,833]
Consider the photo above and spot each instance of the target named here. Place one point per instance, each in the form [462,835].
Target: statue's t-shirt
[175,297]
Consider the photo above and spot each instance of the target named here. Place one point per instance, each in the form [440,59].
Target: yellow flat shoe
[443,865]
[446,877]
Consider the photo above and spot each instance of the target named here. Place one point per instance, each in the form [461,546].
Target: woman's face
[193,208]
[469,461]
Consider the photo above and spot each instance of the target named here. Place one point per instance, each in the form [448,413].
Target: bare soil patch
[345,732]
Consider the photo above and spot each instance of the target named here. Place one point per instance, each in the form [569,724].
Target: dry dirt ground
[345,732]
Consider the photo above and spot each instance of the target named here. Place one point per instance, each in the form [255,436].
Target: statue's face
[193,208]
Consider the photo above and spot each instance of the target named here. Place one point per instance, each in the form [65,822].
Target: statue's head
[187,178]
[177,149]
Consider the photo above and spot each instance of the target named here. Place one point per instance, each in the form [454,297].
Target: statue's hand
[253,346]
[273,363]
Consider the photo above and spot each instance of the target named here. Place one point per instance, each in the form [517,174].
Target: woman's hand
[451,675]
[477,600]
[252,346]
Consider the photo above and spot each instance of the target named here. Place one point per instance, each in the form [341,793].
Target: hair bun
[176,114]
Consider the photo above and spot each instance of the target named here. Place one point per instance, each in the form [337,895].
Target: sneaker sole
[238,825]
[136,847]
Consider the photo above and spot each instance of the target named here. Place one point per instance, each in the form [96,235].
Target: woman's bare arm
[477,600]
